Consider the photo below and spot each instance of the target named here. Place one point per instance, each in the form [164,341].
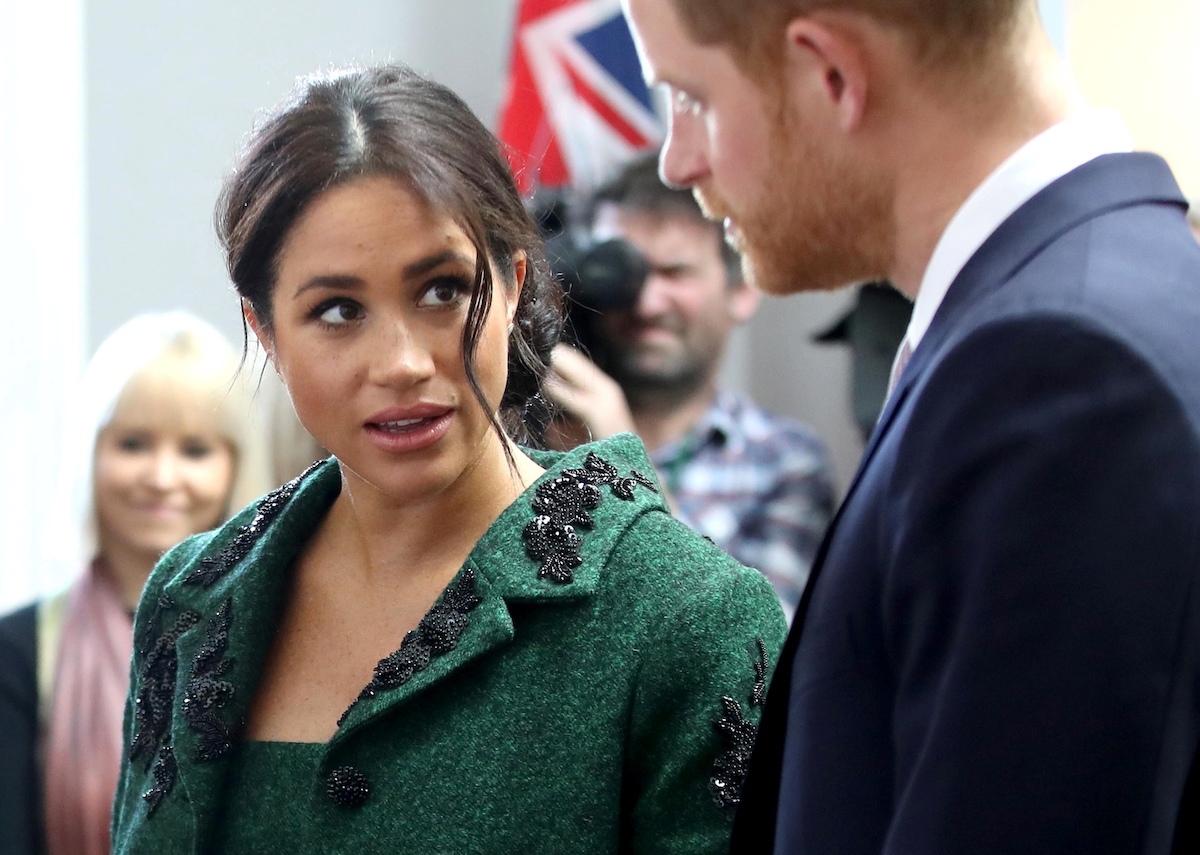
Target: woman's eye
[338,313]
[196,450]
[444,292]
[132,444]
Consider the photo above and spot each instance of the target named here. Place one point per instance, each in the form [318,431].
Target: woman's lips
[160,511]
[399,426]
[409,431]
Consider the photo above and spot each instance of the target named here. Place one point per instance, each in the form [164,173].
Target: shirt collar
[1033,167]
[718,425]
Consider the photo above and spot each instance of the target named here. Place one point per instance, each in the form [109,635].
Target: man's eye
[444,292]
[338,312]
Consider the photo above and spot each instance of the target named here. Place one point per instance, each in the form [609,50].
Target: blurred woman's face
[368,309]
[161,474]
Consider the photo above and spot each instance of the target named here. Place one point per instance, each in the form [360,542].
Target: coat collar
[260,569]
[1101,185]
[235,585]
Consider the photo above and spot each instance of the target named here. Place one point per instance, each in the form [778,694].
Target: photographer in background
[757,485]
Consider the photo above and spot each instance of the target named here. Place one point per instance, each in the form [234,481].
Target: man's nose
[654,299]
[681,163]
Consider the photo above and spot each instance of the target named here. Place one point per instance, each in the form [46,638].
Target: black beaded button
[348,787]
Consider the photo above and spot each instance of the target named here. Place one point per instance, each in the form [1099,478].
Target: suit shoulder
[1056,347]
[17,624]
[18,650]
[1113,278]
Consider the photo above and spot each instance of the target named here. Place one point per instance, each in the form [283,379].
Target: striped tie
[898,365]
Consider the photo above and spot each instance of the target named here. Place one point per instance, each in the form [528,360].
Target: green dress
[589,682]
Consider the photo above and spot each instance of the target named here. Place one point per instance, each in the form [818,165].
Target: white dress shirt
[1030,169]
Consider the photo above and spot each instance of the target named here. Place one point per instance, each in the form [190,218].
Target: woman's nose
[162,470]
[399,356]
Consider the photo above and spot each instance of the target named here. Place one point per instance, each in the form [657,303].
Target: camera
[597,277]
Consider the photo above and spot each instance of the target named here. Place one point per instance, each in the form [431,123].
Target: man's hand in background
[587,395]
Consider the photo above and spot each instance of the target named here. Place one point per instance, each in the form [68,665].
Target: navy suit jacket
[998,649]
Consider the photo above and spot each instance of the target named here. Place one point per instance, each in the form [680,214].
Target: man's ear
[265,340]
[743,300]
[826,58]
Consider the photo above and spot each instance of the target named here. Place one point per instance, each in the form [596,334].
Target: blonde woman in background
[169,447]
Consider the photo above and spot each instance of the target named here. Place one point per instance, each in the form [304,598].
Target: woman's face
[160,475]
[368,309]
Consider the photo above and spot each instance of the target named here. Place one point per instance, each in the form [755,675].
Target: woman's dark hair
[388,120]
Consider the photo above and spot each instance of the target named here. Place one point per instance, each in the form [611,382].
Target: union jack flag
[576,105]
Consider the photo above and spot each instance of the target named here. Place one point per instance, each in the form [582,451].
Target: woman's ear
[520,270]
[261,332]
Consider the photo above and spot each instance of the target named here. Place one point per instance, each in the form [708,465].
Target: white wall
[1147,67]
[172,89]
[42,247]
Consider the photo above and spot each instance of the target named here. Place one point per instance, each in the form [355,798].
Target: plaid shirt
[758,486]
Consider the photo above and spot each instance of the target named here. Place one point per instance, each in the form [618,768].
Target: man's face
[770,161]
[673,338]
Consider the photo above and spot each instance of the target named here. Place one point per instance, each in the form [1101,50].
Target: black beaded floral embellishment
[152,708]
[759,693]
[564,503]
[213,567]
[208,691]
[165,771]
[597,470]
[738,735]
[437,634]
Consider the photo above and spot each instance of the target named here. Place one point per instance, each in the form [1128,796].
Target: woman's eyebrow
[335,281]
[413,270]
[431,262]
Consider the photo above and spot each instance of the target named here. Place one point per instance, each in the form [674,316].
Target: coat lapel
[547,548]
[237,589]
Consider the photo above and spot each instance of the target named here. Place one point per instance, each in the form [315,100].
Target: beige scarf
[82,749]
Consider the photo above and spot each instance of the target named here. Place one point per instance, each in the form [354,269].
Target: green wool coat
[590,682]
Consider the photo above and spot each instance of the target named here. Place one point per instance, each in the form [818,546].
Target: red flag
[576,105]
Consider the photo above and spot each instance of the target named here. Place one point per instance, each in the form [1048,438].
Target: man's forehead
[655,26]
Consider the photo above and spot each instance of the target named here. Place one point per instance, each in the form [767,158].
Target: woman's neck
[391,541]
[129,568]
